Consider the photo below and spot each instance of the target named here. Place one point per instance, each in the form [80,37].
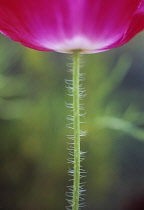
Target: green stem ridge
[76,126]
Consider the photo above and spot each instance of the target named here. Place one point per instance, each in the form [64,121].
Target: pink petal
[67,25]
[136,25]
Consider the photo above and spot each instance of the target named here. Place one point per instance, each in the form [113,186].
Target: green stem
[76,115]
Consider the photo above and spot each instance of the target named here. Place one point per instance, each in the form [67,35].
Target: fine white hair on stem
[70,137]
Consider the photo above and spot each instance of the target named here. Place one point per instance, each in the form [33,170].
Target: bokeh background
[33,142]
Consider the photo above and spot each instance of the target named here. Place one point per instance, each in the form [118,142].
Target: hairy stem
[76,115]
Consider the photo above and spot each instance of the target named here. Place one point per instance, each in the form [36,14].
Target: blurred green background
[33,142]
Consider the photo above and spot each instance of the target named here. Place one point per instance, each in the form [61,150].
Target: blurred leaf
[113,80]
[120,125]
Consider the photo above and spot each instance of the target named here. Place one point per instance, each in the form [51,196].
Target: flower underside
[64,26]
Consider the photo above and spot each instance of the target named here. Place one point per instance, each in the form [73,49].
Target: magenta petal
[66,25]
[136,25]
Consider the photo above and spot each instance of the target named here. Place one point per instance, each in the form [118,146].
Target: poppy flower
[65,25]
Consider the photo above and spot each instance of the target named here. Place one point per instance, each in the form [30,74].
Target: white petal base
[78,43]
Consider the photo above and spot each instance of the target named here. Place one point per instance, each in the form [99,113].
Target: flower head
[67,25]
